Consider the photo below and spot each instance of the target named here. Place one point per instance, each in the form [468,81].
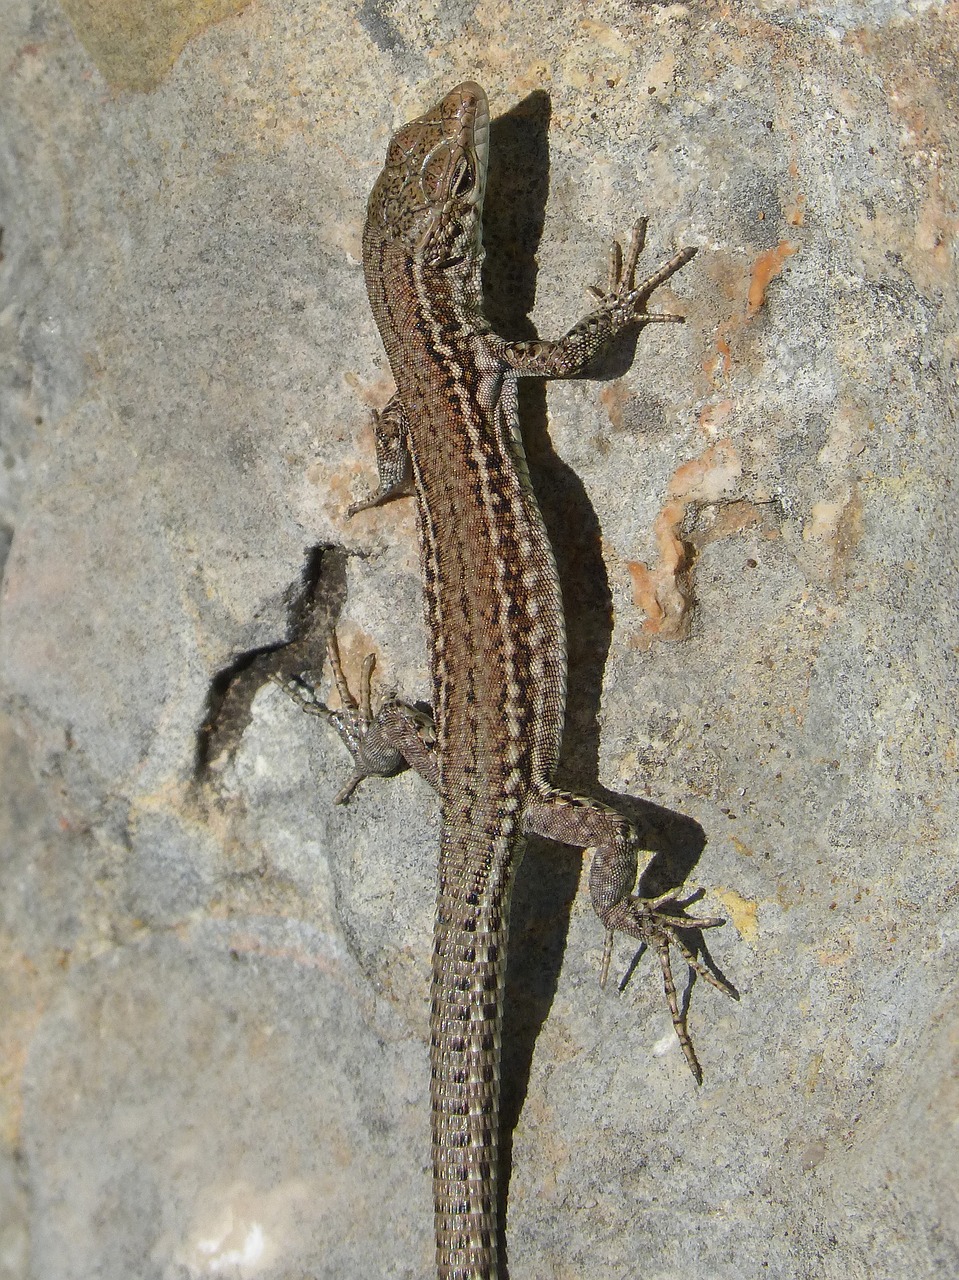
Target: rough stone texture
[213,984]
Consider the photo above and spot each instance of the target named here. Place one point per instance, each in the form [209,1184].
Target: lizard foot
[622,291]
[661,929]
[371,739]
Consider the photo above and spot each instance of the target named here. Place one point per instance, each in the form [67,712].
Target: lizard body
[496,631]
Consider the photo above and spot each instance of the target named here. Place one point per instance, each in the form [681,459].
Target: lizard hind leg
[658,923]
[381,743]
[659,929]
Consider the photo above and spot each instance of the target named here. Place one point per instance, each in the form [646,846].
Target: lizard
[451,436]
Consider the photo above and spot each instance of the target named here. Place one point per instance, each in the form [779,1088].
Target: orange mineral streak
[766,267]
[723,348]
[661,591]
[658,591]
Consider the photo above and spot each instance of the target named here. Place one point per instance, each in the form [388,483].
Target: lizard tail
[469,969]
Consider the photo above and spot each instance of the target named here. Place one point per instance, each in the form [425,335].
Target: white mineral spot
[239,1230]
[222,1255]
[666,1044]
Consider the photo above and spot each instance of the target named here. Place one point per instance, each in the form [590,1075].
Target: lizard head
[429,198]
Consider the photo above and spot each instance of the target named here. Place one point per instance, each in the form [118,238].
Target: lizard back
[494,619]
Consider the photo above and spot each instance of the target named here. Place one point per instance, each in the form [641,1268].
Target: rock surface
[213,983]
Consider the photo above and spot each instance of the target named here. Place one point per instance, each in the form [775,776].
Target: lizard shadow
[548,879]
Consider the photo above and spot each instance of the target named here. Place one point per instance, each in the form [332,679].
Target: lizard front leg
[393,461]
[622,305]
[657,922]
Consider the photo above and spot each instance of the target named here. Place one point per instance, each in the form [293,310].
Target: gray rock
[213,984]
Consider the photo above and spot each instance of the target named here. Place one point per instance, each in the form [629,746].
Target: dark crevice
[313,604]
[6,540]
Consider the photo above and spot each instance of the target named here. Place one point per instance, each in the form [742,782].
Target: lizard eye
[461,183]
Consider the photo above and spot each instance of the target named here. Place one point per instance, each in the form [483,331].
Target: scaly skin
[497,639]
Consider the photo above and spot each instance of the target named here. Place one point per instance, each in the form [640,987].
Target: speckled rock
[213,983]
